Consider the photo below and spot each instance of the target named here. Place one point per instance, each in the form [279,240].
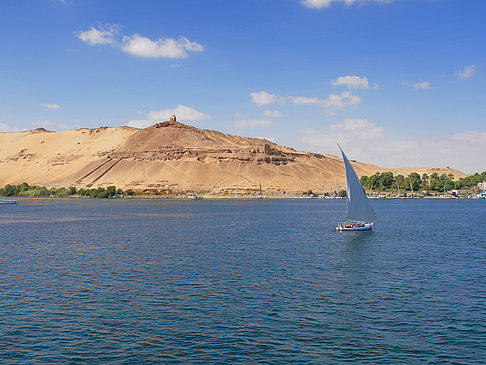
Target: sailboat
[260,196]
[360,215]
[398,189]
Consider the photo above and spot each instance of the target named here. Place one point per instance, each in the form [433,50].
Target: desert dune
[172,157]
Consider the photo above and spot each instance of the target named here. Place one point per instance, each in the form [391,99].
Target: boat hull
[8,202]
[354,227]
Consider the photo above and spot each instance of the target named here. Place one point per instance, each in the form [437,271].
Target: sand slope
[171,156]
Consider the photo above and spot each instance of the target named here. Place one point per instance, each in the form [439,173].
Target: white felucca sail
[358,207]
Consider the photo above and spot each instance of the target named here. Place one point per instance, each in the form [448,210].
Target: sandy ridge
[173,157]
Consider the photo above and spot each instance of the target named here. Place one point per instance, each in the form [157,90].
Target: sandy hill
[170,156]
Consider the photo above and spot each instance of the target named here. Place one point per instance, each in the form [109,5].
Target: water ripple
[241,282]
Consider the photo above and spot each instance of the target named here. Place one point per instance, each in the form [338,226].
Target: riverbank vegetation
[386,181]
[26,190]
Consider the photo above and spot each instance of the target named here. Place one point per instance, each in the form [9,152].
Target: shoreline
[215,197]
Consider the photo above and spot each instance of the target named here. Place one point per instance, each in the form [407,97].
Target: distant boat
[260,195]
[5,202]
[360,215]
[196,197]
[398,189]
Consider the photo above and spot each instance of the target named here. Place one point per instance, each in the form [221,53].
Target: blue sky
[397,83]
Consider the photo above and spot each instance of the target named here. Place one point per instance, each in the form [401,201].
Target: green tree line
[386,181]
[26,190]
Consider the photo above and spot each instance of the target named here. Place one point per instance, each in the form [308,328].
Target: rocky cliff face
[168,156]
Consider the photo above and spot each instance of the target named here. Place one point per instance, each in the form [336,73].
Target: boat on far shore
[7,202]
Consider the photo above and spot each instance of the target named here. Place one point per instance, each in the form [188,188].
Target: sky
[398,83]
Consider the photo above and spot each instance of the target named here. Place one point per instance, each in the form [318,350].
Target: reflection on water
[241,281]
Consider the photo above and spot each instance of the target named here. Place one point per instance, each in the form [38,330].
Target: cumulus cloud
[268,138]
[334,102]
[140,123]
[304,100]
[43,124]
[472,137]
[273,113]
[320,4]
[352,82]
[182,112]
[51,106]
[96,36]
[370,143]
[253,123]
[138,45]
[161,48]
[342,101]
[361,127]
[421,85]
[468,72]
[263,98]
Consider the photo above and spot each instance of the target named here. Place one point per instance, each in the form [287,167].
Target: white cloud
[352,82]
[253,123]
[51,106]
[138,45]
[422,85]
[361,127]
[268,138]
[161,48]
[468,72]
[320,4]
[304,100]
[43,124]
[63,126]
[140,123]
[182,112]
[97,36]
[370,143]
[341,101]
[273,113]
[472,137]
[263,98]
[335,101]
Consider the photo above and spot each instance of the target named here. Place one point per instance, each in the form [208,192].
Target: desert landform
[173,157]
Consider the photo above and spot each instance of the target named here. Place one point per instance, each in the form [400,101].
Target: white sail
[358,207]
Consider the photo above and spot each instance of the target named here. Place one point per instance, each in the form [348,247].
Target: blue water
[235,281]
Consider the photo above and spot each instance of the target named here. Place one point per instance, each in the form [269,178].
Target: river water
[241,281]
